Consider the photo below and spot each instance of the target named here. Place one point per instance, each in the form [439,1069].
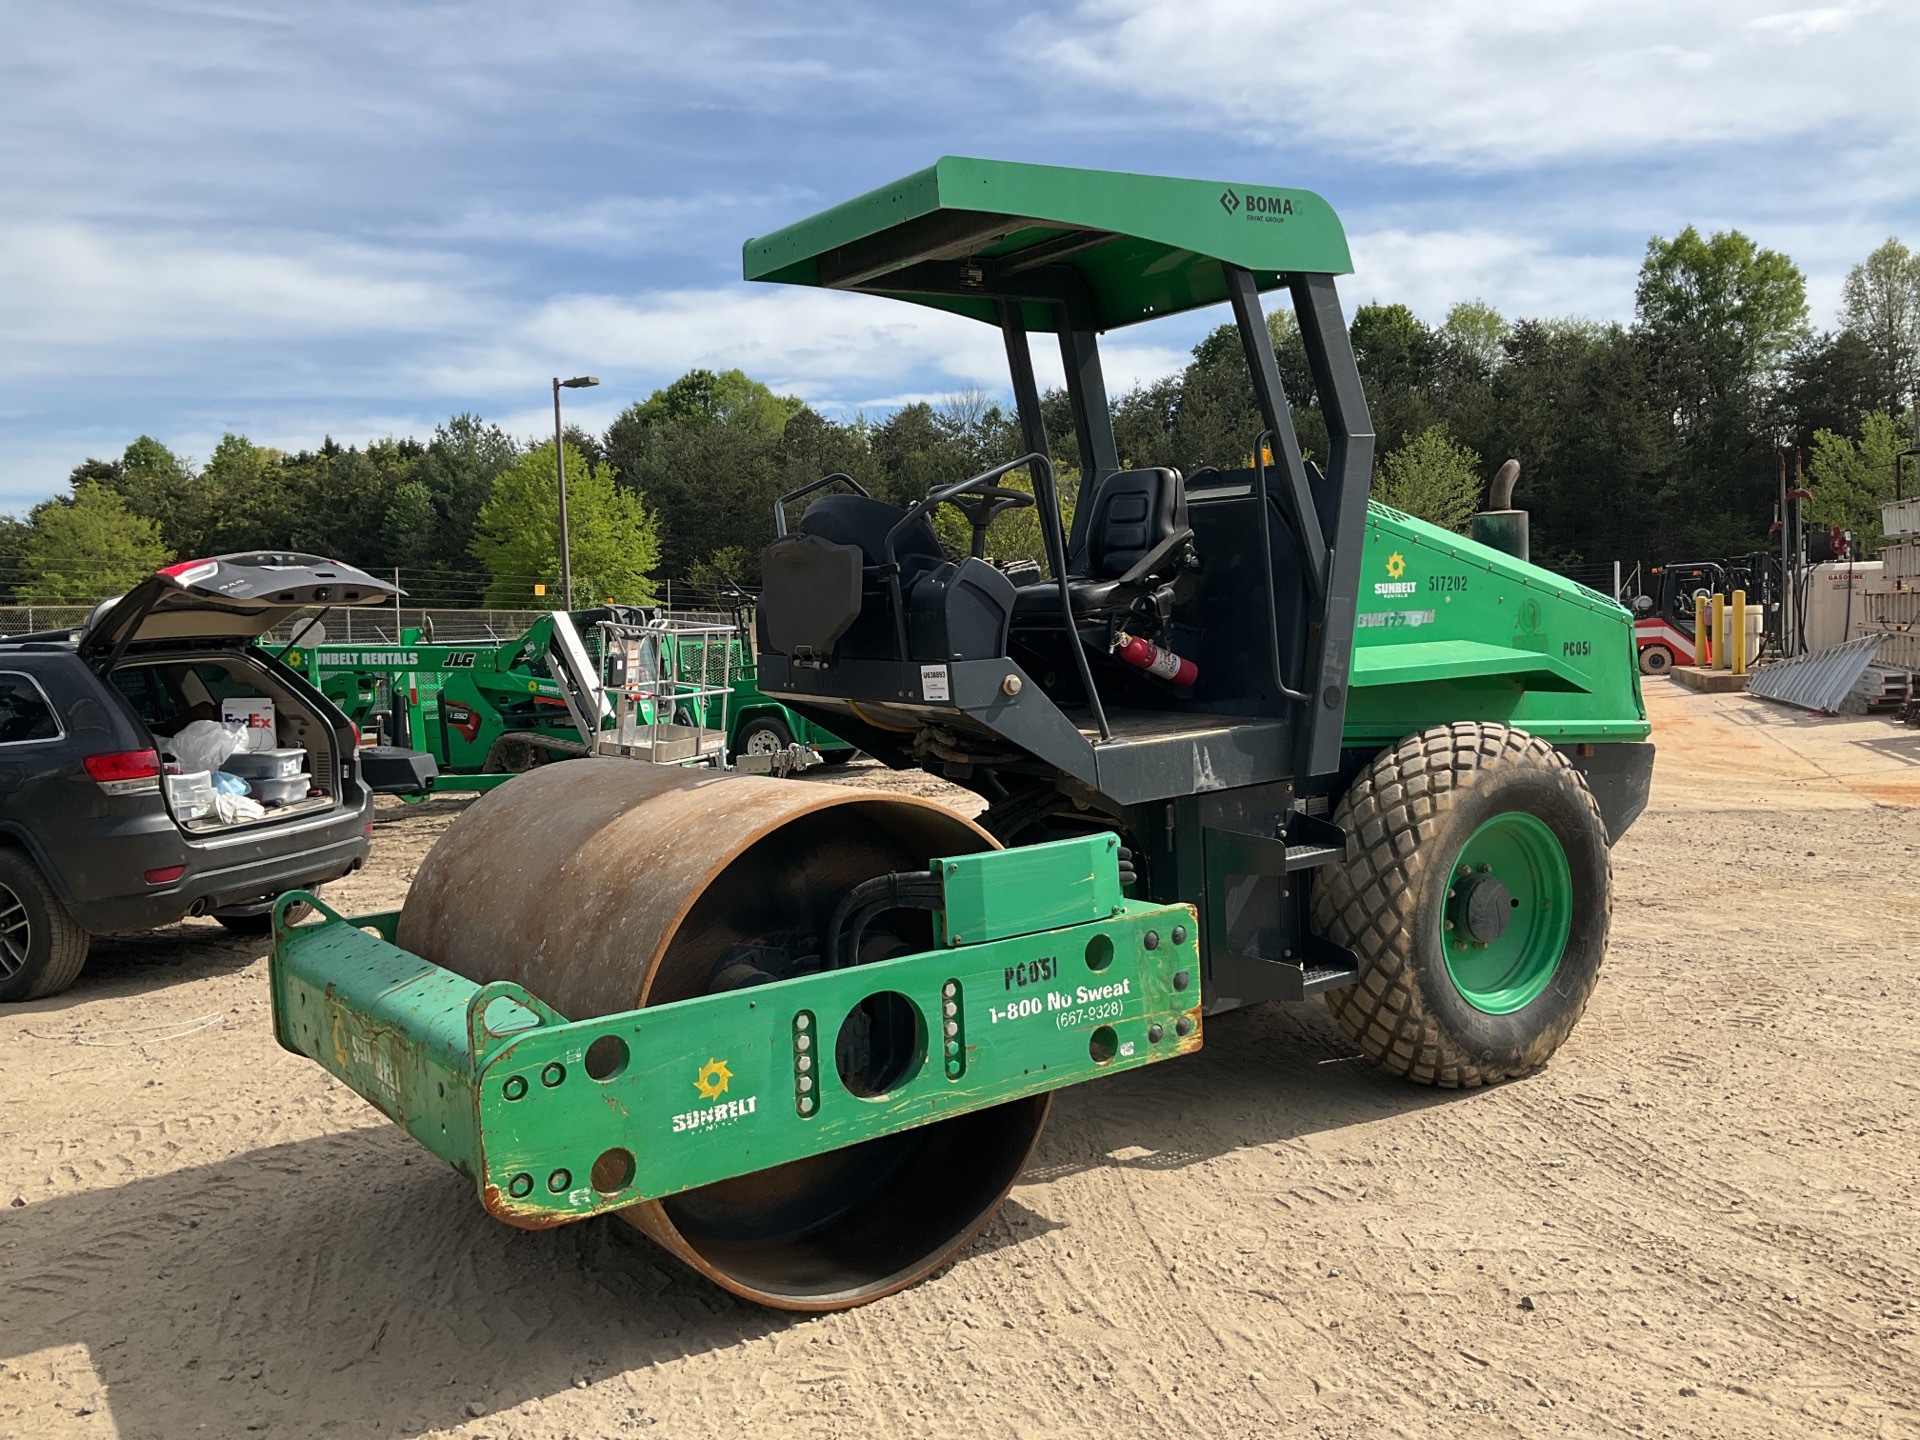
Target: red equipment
[1147,656]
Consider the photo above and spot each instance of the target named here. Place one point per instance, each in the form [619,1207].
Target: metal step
[1305,857]
[1318,979]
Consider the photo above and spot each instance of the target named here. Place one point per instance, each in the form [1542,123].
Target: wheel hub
[1507,914]
[16,934]
[1482,908]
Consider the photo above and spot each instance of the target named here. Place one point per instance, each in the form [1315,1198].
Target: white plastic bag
[232,809]
[203,744]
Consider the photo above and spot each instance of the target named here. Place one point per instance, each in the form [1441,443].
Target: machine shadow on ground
[132,964]
[1268,1074]
[449,1315]
[1903,748]
[453,1316]
[189,950]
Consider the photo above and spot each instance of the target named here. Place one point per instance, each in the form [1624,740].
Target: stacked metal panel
[1891,602]
[1824,681]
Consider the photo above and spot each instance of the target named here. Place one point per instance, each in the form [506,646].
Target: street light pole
[579,382]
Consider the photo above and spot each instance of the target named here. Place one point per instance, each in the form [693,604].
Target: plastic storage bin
[190,796]
[266,764]
[282,791]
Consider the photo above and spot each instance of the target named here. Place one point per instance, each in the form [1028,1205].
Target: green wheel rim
[1507,972]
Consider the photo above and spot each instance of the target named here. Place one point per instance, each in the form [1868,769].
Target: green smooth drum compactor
[1250,738]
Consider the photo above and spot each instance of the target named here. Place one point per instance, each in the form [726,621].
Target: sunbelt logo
[1394,586]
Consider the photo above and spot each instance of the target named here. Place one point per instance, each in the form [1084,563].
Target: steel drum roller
[608,885]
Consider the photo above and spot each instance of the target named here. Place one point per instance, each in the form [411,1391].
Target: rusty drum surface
[606,885]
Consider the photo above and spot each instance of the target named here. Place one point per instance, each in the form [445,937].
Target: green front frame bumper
[557,1120]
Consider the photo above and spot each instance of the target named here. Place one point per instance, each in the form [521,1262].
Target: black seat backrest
[823,590]
[809,595]
[863,521]
[1133,511]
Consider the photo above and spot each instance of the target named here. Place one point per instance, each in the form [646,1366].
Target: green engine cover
[1447,629]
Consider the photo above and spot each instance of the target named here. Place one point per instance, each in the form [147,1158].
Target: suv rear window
[168,696]
[24,711]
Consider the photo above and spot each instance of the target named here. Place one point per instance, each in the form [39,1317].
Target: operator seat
[862,521]
[1137,542]
[827,582]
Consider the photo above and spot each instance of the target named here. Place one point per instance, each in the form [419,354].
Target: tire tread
[1368,904]
[67,942]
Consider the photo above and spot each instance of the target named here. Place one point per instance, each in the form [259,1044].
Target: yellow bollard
[1737,649]
[1719,632]
[1701,637]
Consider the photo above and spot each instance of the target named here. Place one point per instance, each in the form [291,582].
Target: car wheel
[42,950]
[1656,660]
[762,736]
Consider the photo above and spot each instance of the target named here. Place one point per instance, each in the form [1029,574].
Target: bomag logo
[1271,208]
[1396,565]
[712,1080]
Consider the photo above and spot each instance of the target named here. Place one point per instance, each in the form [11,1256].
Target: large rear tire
[1656,660]
[42,950]
[1479,904]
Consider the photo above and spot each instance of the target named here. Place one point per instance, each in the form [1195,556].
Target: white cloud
[707,224]
[806,342]
[1432,270]
[1490,82]
[352,219]
[840,353]
[73,286]
[1128,365]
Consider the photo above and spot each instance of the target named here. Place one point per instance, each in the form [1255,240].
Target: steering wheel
[983,506]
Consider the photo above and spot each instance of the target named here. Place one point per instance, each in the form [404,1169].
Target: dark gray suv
[99,828]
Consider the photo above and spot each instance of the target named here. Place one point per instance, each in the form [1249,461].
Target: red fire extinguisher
[1147,656]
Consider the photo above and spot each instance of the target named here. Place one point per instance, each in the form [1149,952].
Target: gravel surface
[1700,1220]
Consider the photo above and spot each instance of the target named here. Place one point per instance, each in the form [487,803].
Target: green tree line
[1653,440]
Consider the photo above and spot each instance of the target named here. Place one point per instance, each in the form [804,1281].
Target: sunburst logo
[1396,565]
[713,1078]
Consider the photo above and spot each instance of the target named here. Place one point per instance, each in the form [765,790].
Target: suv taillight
[126,772]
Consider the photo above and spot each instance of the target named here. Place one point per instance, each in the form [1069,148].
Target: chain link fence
[363,625]
[375,624]
[27,619]
[367,625]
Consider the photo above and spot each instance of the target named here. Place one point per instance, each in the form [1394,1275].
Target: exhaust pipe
[1500,526]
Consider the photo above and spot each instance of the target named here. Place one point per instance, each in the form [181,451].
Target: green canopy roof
[962,231]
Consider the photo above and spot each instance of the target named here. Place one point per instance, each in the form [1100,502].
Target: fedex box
[256,713]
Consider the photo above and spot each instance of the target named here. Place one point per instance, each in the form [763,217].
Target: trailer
[489,710]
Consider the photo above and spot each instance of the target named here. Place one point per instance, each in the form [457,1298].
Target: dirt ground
[1702,1220]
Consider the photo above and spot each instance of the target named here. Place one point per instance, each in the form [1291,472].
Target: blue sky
[356,219]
